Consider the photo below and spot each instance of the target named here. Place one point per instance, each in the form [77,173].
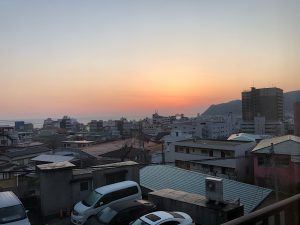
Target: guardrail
[285,212]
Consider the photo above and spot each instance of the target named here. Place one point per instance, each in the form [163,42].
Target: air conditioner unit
[214,189]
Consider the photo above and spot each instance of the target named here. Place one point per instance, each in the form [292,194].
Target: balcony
[285,212]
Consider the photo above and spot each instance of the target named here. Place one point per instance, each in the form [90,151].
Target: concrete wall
[55,191]
[99,176]
[200,213]
[77,194]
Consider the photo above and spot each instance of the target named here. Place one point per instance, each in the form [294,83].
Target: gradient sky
[129,58]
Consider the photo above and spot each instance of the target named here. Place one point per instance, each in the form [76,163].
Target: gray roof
[52,158]
[266,143]
[55,166]
[160,177]
[215,144]
[16,152]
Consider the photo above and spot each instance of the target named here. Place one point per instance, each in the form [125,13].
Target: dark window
[112,178]
[223,170]
[84,186]
[222,154]
[119,194]
[108,198]
[170,223]
[263,161]
[187,150]
[282,162]
[211,153]
[204,152]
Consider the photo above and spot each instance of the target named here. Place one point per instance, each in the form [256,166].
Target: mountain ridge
[235,106]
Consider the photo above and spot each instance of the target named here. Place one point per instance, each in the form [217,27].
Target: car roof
[8,198]
[116,186]
[119,206]
[159,216]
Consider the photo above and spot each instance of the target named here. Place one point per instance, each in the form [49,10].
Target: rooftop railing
[285,212]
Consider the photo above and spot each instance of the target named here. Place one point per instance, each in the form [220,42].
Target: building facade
[277,163]
[263,111]
[226,159]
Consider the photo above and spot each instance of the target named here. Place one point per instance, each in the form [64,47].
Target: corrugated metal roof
[160,177]
[228,163]
[52,158]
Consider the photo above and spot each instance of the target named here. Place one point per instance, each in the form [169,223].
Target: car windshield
[106,215]
[139,222]
[12,213]
[91,199]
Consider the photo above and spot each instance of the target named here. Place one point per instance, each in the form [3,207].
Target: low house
[61,185]
[277,163]
[21,156]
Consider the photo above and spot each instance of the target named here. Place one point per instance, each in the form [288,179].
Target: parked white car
[103,197]
[164,218]
[12,211]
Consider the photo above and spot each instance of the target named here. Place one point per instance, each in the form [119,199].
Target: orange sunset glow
[132,59]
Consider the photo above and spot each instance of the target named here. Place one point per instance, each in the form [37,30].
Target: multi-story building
[277,163]
[187,127]
[263,111]
[7,136]
[215,157]
[96,126]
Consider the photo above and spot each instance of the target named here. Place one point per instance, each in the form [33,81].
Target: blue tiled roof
[161,176]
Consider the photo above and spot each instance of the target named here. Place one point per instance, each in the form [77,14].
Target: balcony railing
[285,212]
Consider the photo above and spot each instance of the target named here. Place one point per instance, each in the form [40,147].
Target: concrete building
[220,158]
[277,163]
[22,156]
[61,186]
[187,127]
[77,144]
[263,111]
[162,120]
[96,126]
[200,208]
[265,102]
[297,119]
[7,136]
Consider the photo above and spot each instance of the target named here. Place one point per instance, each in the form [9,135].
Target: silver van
[12,211]
[103,197]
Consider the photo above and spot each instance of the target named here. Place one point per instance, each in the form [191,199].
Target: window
[263,161]
[223,170]
[222,154]
[282,162]
[84,186]
[211,153]
[115,177]
[170,223]
[204,152]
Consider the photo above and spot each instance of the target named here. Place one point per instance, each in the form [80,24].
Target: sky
[134,57]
